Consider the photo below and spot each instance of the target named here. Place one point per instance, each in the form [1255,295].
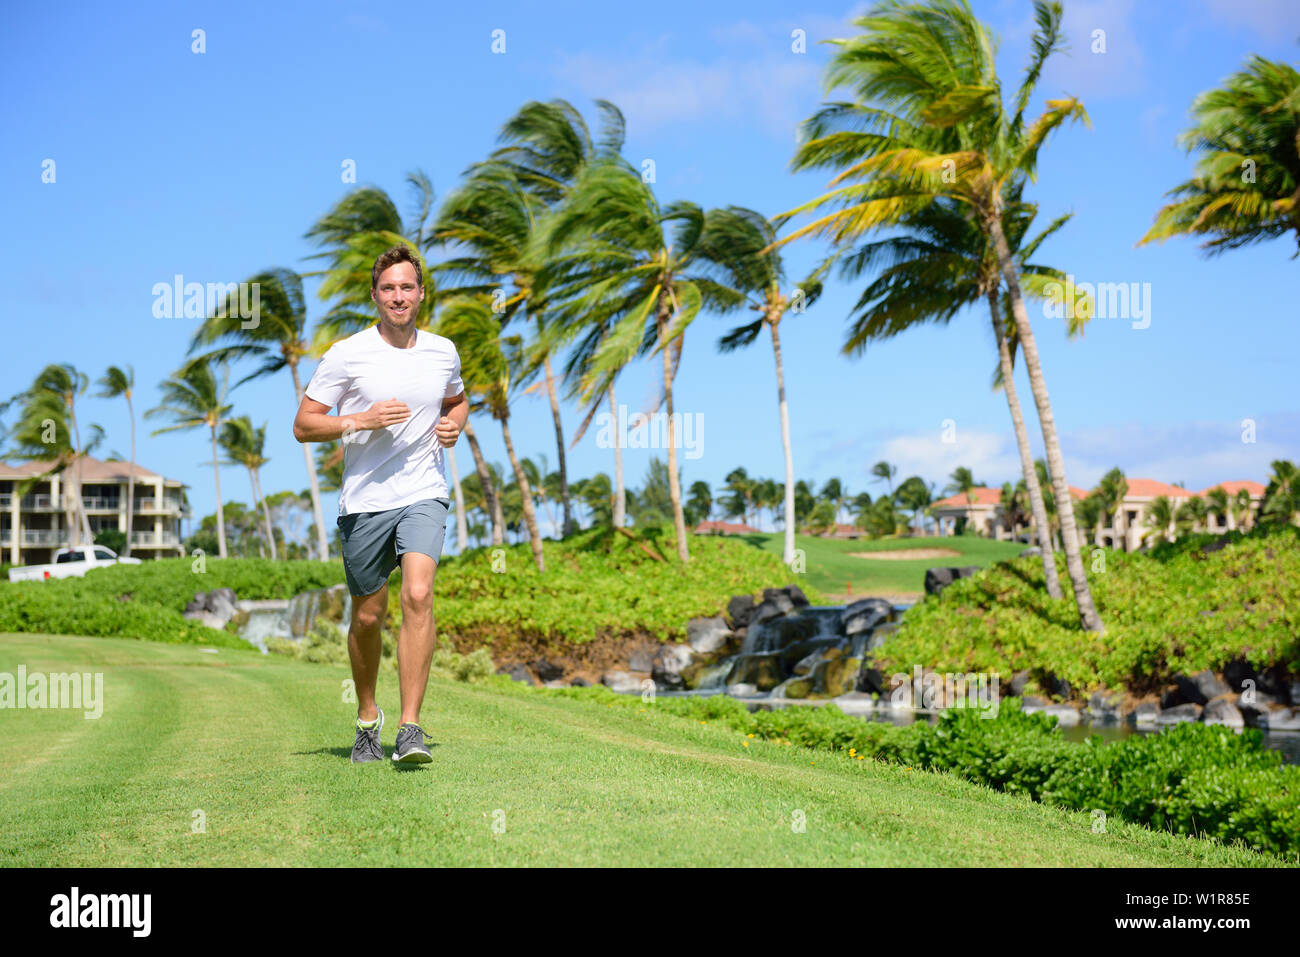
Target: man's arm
[452,420]
[313,423]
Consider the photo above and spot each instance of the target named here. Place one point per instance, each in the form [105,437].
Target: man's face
[398,295]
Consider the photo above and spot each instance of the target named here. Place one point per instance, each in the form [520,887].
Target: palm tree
[1247,183]
[700,501]
[488,361]
[1282,496]
[193,398]
[244,445]
[914,494]
[733,245]
[47,431]
[1217,504]
[489,487]
[1242,506]
[1158,516]
[113,383]
[961,481]
[1015,504]
[279,340]
[833,492]
[742,489]
[627,268]
[1089,513]
[941,263]
[500,217]
[884,472]
[1110,494]
[944,133]
[329,465]
[462,526]
[1190,515]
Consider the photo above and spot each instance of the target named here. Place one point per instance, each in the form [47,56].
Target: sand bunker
[908,554]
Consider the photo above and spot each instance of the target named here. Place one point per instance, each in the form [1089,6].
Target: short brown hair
[391,257]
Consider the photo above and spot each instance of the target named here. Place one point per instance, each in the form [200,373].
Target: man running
[400,400]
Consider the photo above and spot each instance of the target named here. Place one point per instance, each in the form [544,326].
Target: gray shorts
[373,541]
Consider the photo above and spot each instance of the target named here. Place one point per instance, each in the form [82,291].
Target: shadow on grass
[345,754]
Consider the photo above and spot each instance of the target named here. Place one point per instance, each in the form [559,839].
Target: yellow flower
[749,735]
[745,743]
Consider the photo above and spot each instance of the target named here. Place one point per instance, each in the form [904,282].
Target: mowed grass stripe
[261,745]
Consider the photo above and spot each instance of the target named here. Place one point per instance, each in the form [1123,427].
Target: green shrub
[1190,779]
[325,643]
[35,607]
[1176,610]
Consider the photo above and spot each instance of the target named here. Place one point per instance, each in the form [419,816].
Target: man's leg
[364,647]
[416,640]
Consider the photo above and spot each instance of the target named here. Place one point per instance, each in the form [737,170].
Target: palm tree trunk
[82,521]
[526,497]
[674,484]
[462,523]
[1055,462]
[490,495]
[322,541]
[221,518]
[130,480]
[620,493]
[559,447]
[266,512]
[1036,505]
[787,552]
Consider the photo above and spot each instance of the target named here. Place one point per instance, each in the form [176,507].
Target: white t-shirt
[395,466]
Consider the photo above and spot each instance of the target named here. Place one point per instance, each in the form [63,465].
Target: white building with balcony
[32,525]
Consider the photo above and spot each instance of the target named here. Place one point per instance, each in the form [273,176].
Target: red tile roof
[1232,488]
[92,470]
[1150,488]
[729,528]
[983,495]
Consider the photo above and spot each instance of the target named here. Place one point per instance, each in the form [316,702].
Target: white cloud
[991,456]
[1199,454]
[1270,19]
[776,87]
[1079,71]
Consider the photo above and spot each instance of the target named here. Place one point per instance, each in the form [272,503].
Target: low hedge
[34,607]
[1191,779]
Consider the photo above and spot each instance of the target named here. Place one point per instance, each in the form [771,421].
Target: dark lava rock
[668,664]
[1179,713]
[707,635]
[1224,711]
[1144,715]
[796,595]
[865,615]
[1201,687]
[547,670]
[1220,543]
[519,673]
[740,609]
[1016,686]
[937,579]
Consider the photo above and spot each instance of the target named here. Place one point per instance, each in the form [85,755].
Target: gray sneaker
[367,747]
[410,747]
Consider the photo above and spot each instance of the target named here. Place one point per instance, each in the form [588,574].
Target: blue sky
[213,166]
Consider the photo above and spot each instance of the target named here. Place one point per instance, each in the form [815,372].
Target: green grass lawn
[833,568]
[260,746]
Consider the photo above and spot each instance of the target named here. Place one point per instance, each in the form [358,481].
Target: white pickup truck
[69,563]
